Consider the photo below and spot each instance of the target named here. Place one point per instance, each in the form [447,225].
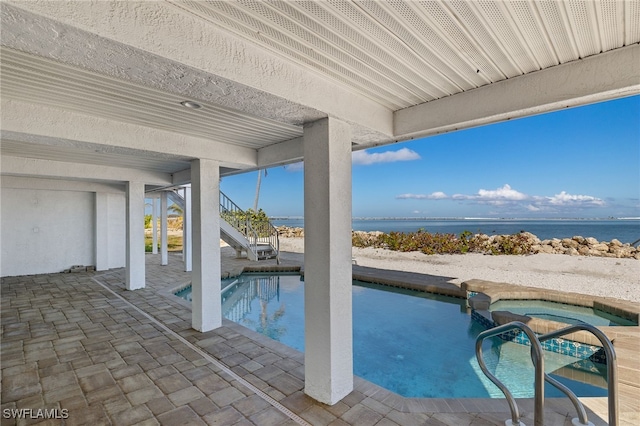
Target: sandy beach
[598,276]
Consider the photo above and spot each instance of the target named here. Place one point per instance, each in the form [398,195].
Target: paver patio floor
[82,343]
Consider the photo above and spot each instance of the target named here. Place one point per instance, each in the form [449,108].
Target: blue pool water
[412,343]
[560,312]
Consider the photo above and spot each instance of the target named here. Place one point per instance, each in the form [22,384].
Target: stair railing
[267,234]
[233,214]
[253,237]
[262,232]
[177,198]
[540,376]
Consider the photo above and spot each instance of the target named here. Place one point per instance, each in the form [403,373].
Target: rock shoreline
[575,246]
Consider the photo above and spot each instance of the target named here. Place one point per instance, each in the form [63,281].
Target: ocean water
[625,230]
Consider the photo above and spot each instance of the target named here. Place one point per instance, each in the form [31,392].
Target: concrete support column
[163,229]
[206,304]
[187,231]
[102,231]
[154,225]
[135,267]
[327,261]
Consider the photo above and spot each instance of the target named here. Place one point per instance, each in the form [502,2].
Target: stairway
[258,239]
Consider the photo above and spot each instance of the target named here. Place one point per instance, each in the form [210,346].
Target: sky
[581,162]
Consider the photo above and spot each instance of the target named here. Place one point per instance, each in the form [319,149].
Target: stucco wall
[44,231]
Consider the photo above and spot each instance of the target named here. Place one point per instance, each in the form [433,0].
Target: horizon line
[462,218]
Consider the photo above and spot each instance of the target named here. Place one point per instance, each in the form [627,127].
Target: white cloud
[507,197]
[433,196]
[494,196]
[438,195]
[367,158]
[564,199]
[504,193]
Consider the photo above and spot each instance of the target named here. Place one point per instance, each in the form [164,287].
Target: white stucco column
[206,305]
[154,225]
[327,260]
[187,231]
[135,267]
[102,231]
[163,229]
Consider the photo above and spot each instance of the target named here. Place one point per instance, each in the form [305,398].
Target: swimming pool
[560,312]
[413,343]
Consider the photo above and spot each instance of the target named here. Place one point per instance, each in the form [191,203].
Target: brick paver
[68,343]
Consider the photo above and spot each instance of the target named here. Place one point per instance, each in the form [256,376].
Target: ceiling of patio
[386,56]
[403,53]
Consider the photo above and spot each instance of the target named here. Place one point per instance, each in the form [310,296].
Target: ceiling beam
[79,129]
[182,177]
[31,167]
[280,153]
[20,182]
[597,78]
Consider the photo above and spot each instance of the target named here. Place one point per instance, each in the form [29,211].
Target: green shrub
[511,244]
[437,243]
[238,219]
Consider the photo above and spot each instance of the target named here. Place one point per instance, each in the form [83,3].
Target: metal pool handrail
[582,413]
[541,376]
[538,363]
[612,372]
